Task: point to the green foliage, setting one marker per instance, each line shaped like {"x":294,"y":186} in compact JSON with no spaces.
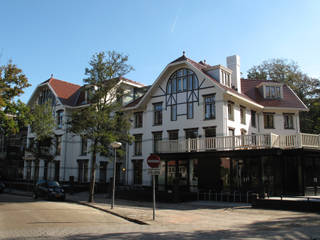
{"x":103,"y":121}
{"x":287,"y":72}
{"x":13,"y":113}
{"x":307,"y":88}
{"x":43,"y":123}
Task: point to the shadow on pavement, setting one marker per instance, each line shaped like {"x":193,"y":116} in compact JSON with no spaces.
{"x":285,"y":228}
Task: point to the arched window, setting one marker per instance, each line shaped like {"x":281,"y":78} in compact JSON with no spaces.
{"x":182,"y":80}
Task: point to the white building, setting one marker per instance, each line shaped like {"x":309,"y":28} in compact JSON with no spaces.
{"x":210,"y":128}
{"x":70,"y":152}
{"x":207,"y":124}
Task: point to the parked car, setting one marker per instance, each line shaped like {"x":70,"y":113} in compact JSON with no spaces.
{"x":49,"y":190}
{"x":2,"y":186}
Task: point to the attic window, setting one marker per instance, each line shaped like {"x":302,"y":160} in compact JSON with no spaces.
{"x":182,"y":80}
{"x":273,"y":92}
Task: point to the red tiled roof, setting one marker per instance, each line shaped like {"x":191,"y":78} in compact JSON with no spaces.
{"x":66,"y":92}
{"x":203,"y":66}
{"x":249,"y":90}
{"x":289,"y":100}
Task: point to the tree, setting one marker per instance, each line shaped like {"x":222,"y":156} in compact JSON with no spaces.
{"x":13,"y":113}
{"x":287,"y":72}
{"x":307,"y":88}
{"x":42,"y":126}
{"x":103,"y":121}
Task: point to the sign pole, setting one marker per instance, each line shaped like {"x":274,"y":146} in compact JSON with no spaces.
{"x":154,"y":196}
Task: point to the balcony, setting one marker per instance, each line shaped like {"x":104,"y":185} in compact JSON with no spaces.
{"x":242,"y":142}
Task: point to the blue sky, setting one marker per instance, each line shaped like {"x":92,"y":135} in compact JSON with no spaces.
{"x":59,"y":37}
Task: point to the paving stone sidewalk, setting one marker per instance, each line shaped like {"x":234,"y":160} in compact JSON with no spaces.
{"x":143,"y":211}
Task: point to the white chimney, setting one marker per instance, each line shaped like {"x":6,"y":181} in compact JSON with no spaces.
{"x":233,"y":62}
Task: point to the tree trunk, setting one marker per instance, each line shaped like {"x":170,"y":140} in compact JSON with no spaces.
{"x":93,"y":173}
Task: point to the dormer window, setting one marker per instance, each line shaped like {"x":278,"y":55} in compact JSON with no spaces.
{"x":273,"y":92}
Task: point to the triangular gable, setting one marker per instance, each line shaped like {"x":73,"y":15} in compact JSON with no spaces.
{"x":180,"y":61}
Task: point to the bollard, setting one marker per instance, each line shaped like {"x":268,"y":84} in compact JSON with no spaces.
{"x":234,"y":196}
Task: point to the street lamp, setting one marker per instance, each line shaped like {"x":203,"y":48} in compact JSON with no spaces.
{"x":114,"y":145}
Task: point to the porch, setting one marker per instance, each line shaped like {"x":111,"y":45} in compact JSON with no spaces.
{"x":241,"y":142}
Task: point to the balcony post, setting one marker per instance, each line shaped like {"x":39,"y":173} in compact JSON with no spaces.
{"x":198,"y":144}
{"x":188,"y":144}
{"x":299,"y":140}
{"x":270,"y":140}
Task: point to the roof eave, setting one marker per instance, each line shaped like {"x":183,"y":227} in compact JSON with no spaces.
{"x":244,"y":99}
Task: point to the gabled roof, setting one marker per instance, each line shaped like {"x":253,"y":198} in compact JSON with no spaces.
{"x":72,"y":94}
{"x":65,"y":91}
{"x":289,"y":100}
{"x":249,"y":91}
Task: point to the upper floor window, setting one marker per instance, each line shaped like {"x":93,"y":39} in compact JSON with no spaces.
{"x":84,"y":146}
{"x":138,"y":144}
{"x":253,"y":118}
{"x":268,"y":120}
{"x":191,"y":133}
{"x":174,"y":112}
{"x":231,"y":111}
{"x":210,"y":107}
{"x":190,"y":110}
{"x":210,"y":132}
{"x":157,"y":109}
{"x":243,"y":114}
{"x":138,"y":119}
{"x":173,"y":134}
{"x":273,"y":92}
{"x":157,"y":137}
{"x":288,"y":121}
{"x":59,"y":118}
{"x":182,"y":80}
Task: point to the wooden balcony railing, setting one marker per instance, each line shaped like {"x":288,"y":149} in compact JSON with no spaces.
{"x":257,"y":141}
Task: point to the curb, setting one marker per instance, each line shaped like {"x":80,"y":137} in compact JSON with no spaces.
{"x":18,"y":194}
{"x":110,"y":212}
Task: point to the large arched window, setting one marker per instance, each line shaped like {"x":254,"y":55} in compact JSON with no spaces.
{"x":182,"y":80}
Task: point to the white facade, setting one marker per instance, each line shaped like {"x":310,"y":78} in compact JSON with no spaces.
{"x":224,"y":94}
{"x":74,"y":158}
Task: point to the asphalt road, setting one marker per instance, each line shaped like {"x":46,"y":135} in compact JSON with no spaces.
{"x":23,"y":218}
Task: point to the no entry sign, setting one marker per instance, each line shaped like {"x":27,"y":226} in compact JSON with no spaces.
{"x":153,"y":161}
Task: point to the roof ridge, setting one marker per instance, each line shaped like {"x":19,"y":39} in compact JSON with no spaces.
{"x":63,"y":81}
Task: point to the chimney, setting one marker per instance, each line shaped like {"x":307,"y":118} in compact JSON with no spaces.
{"x":233,"y":62}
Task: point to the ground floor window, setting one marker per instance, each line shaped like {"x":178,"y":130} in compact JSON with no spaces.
{"x":28,"y":170}
{"x":56,"y":170}
{"x":82,"y":171}
{"x":137,"y":171}
{"x":103,"y":172}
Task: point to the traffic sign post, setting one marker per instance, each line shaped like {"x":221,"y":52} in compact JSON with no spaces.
{"x":154,"y":162}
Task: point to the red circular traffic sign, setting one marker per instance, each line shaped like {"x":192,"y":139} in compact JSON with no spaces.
{"x":153,"y":161}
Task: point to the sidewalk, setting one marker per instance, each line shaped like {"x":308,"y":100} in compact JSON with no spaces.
{"x":142,"y":212}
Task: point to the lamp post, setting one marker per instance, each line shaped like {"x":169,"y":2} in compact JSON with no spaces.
{"x":114,"y":145}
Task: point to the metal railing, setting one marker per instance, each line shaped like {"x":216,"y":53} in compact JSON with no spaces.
{"x":256,"y":141}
